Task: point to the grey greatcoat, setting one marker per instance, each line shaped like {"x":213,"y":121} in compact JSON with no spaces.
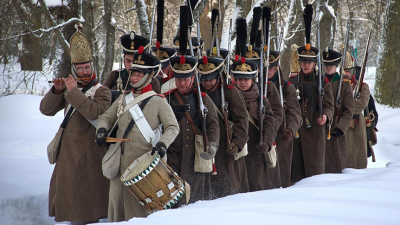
{"x":292,"y":115}
{"x":256,"y":165}
{"x":309,"y":148}
{"x":181,"y":153}
{"x":123,"y":205}
{"x":357,"y":136}
{"x":231,"y":175}
{"x":336,"y":147}
{"x":78,"y":189}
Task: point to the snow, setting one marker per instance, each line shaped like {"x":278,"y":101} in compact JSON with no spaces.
{"x":366,"y":196}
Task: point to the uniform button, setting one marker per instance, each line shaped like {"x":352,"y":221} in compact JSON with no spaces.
{"x":187,"y":121}
{"x":187,"y":129}
{"x":187,"y":137}
{"x":187,"y":146}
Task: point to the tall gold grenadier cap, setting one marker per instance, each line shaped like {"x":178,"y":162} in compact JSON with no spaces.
{"x":79,"y":49}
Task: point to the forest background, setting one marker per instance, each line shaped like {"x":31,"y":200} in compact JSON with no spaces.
{"x":34,"y":34}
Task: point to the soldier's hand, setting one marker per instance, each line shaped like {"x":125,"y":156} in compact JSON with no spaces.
{"x":232,"y":149}
{"x":287,"y":135}
{"x":70,"y":82}
{"x":337,"y":132}
{"x":58,"y":86}
{"x":101,"y":136}
{"x":213,"y":147}
{"x":263,"y":148}
{"x":322,"y":121}
{"x":160,"y":148}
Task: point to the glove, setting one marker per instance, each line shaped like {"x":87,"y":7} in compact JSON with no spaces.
{"x":160,"y":148}
{"x":211,"y":152}
{"x":337,"y":132}
{"x":101,"y":136}
{"x":263,"y":148}
{"x":232,"y":149}
{"x":287,"y":135}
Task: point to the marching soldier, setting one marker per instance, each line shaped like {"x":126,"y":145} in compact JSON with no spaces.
{"x":290,"y":124}
{"x":232,"y":176}
{"x":356,"y":135}
{"x":156,"y":110}
{"x":336,"y":147}
{"x":78,"y":190}
{"x":186,"y":100}
{"x":309,"y":149}
{"x":245,"y":73}
{"x":119,"y":79}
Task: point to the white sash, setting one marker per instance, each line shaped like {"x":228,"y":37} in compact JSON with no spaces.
{"x":151,"y":136}
{"x":89,"y":93}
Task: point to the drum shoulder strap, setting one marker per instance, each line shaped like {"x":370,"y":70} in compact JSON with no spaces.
{"x":132,"y":122}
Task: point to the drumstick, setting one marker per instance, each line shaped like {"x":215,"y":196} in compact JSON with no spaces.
{"x":111,"y":139}
{"x":60,"y":80}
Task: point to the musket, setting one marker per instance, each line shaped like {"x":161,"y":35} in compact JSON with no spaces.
{"x":320,"y":88}
{"x":364,"y":65}
{"x":152,"y":25}
{"x":198,"y":33}
{"x":281,"y":78}
{"x":228,"y":58}
{"x":261,"y":108}
{"x":267,"y":61}
{"x":338,"y":96}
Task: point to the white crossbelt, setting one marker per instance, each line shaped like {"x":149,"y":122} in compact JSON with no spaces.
{"x":151,"y":136}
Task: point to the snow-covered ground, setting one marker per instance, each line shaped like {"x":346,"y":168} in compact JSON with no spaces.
{"x":369,"y":196}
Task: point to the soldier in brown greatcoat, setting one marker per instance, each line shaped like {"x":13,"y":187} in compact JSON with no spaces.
{"x":280,"y":175}
{"x":185,"y":103}
{"x":231,"y":177}
{"x":336,"y":147}
{"x":245,"y":72}
{"x":78,"y":190}
{"x":356,"y":134}
{"x":118,"y":79}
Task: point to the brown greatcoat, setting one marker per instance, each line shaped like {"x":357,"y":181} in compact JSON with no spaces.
{"x":309,"y":148}
{"x":357,"y":137}
{"x":284,"y":147}
{"x":231,"y":175}
{"x":181,"y":153}
{"x":256,"y":166}
{"x":123,"y":205}
{"x":336,"y":147}
{"x":78,"y":189}
{"x":111,"y":81}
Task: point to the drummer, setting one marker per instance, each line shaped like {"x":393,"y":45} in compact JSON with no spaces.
{"x":156,"y":110}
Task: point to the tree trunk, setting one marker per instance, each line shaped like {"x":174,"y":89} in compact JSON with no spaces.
{"x":110,"y":40}
{"x":143,"y":18}
{"x":388,"y":74}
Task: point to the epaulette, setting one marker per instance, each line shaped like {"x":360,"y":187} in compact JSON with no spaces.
{"x":160,"y":95}
{"x":202,"y":93}
{"x":364,"y":83}
{"x":269,"y":82}
{"x":326,"y":80}
{"x":230,"y":87}
{"x":289,"y":83}
{"x":293,"y":76}
{"x":170,"y":92}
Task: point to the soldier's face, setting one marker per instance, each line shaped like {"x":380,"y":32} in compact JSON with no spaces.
{"x":208,"y":84}
{"x":136,"y":76}
{"x":83,"y":70}
{"x":330,"y":69}
{"x":271,"y":72}
{"x":347,"y":74}
{"x":128,"y":60}
{"x":244,"y":84}
{"x":183,"y":84}
{"x":307,"y":67}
